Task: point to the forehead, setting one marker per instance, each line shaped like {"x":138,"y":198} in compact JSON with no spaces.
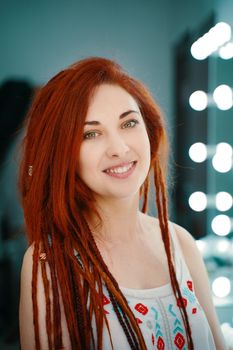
{"x":112,"y":99}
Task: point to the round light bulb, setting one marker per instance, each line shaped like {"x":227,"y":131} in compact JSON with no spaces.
{"x":222,"y":33}
{"x":198,"y":100}
{"x":198,"y":201}
{"x":222,"y":160}
{"x":198,"y":152}
{"x":221,"y":225}
{"x":223,"y":97}
{"x":201,"y":245}
{"x":223,"y":245}
{"x":226,"y":51}
{"x":224,"y":201}
{"x":198,"y":51}
{"x":221,"y":287}
{"x":224,"y":150}
{"x":221,"y":165}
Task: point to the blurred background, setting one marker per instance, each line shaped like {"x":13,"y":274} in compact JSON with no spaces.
{"x":183,"y":51}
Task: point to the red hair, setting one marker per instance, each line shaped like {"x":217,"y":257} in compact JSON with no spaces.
{"x":55,"y":200}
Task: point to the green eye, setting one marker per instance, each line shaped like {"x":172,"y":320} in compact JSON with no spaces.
{"x":131,"y":123}
{"x":90,"y":135}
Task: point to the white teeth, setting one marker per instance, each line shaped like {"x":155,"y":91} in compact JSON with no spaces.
{"x":120,"y":170}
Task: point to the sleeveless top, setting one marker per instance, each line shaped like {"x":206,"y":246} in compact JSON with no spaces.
{"x":157,"y":313}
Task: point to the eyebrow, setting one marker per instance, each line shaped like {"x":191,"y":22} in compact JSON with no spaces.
{"x":123,"y":115}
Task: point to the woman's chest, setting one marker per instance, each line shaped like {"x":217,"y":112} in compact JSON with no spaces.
{"x":136,"y":265}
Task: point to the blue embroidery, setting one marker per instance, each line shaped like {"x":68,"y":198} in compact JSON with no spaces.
{"x":190,"y":296}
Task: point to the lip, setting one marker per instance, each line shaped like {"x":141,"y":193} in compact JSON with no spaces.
{"x":119,"y":165}
{"x":122,"y":175}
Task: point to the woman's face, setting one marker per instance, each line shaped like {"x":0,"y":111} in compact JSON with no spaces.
{"x":115,"y":152}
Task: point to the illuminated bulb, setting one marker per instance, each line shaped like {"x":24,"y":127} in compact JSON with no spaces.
{"x":198,"y":100}
{"x":222,"y":160}
{"x":198,"y":50}
{"x":224,"y":201}
{"x":223,"y":97}
{"x":226,"y":51}
{"x":221,"y":225}
{"x":221,"y":287}
{"x":224,"y":149}
{"x":222,"y":33}
{"x":209,"y":42}
{"x":198,"y":201}
{"x":222,"y":165}
{"x":223,"y":245}
{"x":198,"y":152}
{"x":201,"y":245}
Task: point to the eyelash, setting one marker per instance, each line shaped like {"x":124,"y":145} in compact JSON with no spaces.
{"x":85,"y":136}
{"x":135,"y":121}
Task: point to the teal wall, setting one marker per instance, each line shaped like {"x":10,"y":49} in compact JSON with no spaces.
{"x":38,"y":38}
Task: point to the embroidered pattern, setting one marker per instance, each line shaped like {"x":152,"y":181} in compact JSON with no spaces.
{"x":158,"y":333}
{"x":151,"y":317}
{"x":178,"y":330}
{"x":141,"y":308}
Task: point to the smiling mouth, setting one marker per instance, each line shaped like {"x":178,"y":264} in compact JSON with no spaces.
{"x":120,"y":169}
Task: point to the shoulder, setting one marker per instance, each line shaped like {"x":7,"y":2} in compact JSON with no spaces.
{"x":26,"y":302}
{"x":186,"y":241}
{"x":190,"y":252}
{"x":27,"y":259}
{"x":26,"y":317}
{"x":25,"y":305}
{"x":26,"y":270}
{"x":29,"y":296}
{"x":198,"y":272}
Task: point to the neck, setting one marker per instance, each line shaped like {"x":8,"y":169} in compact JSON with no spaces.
{"x":121,"y":220}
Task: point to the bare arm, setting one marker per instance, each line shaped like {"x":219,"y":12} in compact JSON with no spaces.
{"x":27,"y":336}
{"x":199,"y":274}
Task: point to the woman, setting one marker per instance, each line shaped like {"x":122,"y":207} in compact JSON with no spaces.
{"x":100,"y":273}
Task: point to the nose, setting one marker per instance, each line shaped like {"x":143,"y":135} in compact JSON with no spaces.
{"x":116,"y":147}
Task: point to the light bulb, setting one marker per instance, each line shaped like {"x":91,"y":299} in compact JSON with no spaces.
{"x":226,"y":51}
{"x":221,"y":225}
{"x":198,"y":152}
{"x":222,"y":165}
{"x":222,"y":160}
{"x":224,"y":149}
{"x":198,"y":50}
{"x":221,"y":287}
{"x":198,"y":201}
{"x":211,"y":41}
{"x":222,"y":33}
{"x":201,"y":245}
{"x":224,"y":201}
{"x":198,"y":100}
{"x":223,"y":245}
{"x":223,"y":97}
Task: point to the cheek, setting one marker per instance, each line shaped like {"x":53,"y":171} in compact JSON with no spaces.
{"x":83,"y":162}
{"x":88,"y":158}
{"x":144,"y":145}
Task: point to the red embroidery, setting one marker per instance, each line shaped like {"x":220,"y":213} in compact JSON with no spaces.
{"x":153,"y":339}
{"x":106,"y":312}
{"x":190,"y":285}
{"x":179,"y":340}
{"x":105,"y":300}
{"x":138,"y":320}
{"x":179,"y":302}
{"x":194,"y":310}
{"x":160,"y":344}
{"x":141,"y":308}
